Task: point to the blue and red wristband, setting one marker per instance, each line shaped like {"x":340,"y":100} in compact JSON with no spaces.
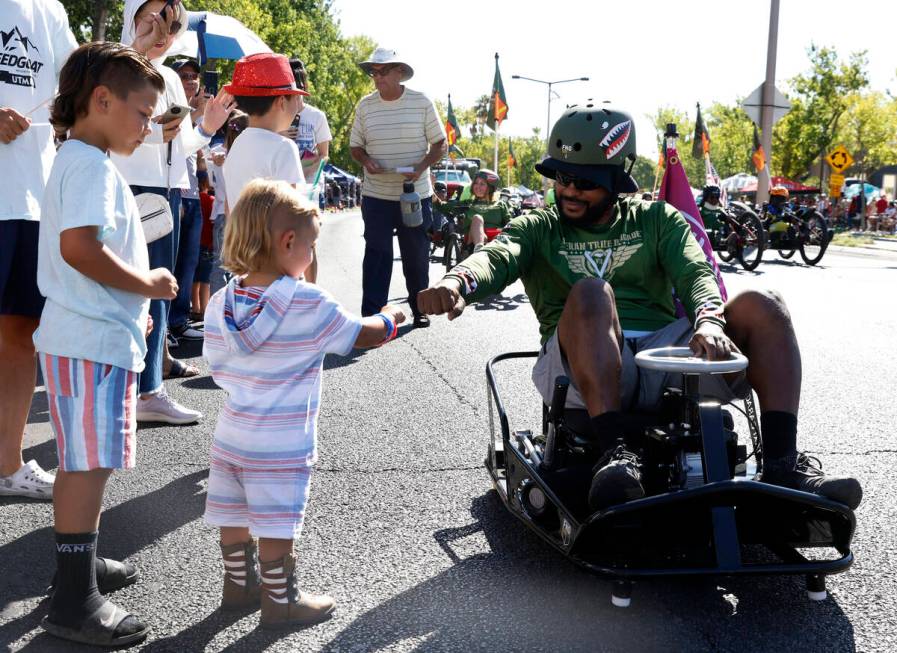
{"x":391,"y":327}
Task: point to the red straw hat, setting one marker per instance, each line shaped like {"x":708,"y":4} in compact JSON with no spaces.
{"x":263,"y":74}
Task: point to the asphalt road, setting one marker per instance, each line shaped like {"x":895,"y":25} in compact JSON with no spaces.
{"x":406,"y":533}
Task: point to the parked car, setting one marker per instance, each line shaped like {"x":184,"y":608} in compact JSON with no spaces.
{"x":453,"y":179}
{"x":531,"y":199}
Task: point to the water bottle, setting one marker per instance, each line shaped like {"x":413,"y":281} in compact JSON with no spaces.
{"x":412,"y":216}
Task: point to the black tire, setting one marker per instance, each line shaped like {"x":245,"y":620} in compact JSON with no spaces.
{"x":787,"y":253}
{"x":721,"y":245}
{"x":453,"y":252}
{"x":753,"y":241}
{"x":813,"y":238}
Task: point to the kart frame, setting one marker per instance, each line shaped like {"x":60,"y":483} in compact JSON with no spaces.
{"x":643,"y":538}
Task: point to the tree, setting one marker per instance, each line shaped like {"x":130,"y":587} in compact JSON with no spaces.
{"x":95,"y":20}
{"x":819,"y":100}
{"x":869,"y":131}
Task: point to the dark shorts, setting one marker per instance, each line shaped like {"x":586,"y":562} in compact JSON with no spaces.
{"x":19,"y":294}
{"x":204,"y":266}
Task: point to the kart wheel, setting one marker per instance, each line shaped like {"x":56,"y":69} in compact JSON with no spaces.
{"x":814,"y":239}
{"x":751,"y":252}
{"x":451,"y":255}
{"x":621,"y":595}
{"x":787,"y":253}
{"x":816,"y":587}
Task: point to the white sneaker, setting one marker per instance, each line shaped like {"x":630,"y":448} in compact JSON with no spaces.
{"x":162,"y":408}
{"x":188,"y":333}
{"x":29,"y":481}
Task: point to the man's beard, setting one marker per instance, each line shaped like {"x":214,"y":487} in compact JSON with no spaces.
{"x":593,"y":214}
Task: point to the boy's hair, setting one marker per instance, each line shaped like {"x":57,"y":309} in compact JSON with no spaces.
{"x":119,"y":68}
{"x":265,"y":208}
{"x":255,"y":105}
{"x":299,"y":73}
{"x":235,"y":125}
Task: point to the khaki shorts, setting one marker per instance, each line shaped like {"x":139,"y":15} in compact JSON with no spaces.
{"x":640,"y":390}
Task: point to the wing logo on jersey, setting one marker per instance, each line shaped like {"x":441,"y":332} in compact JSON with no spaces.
{"x":600,"y":263}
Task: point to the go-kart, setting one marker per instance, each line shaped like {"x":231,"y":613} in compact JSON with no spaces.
{"x":804,"y":231}
{"x":741,"y":236}
{"x":704,"y":512}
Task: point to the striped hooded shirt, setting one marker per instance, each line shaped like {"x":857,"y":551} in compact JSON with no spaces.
{"x":396,"y":133}
{"x":265,"y":347}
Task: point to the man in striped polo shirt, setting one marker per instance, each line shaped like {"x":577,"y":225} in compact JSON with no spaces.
{"x":395,"y":129}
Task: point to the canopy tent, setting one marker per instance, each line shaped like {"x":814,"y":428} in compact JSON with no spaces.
{"x":213,"y":36}
{"x":736,"y":183}
{"x":341,"y":176}
{"x":792,"y":186}
{"x":872,"y":192}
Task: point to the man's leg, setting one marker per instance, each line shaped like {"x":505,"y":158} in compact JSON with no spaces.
{"x":18,"y":367}
{"x":376,"y":268}
{"x":415,"y":248}
{"x":760,"y":326}
{"x":590,"y":337}
{"x":589,"y":334}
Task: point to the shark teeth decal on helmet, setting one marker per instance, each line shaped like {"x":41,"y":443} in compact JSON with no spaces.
{"x":616,"y":138}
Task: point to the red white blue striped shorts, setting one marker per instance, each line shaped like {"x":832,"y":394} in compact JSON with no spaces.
{"x":270,"y":501}
{"x":93,"y":410}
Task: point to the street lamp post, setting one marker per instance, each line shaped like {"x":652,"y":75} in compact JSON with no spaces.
{"x":548,"y":116}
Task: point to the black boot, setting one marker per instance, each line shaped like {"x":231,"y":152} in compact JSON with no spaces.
{"x":617,"y":480}
{"x":806,"y":475}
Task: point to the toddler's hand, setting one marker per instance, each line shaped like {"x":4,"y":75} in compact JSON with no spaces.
{"x":161,"y":284}
{"x":396,"y":313}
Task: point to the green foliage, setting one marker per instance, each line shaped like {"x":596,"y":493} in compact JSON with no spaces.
{"x":869,"y":130}
{"x":644,"y":171}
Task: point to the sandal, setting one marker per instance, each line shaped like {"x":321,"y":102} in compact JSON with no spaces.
{"x":108,"y":626}
{"x":112,"y":576}
{"x":181,"y":370}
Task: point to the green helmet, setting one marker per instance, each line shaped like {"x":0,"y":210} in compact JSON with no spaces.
{"x":593,"y":142}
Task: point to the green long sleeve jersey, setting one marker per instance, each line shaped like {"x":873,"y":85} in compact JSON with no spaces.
{"x":495,"y":214}
{"x":645,"y":251}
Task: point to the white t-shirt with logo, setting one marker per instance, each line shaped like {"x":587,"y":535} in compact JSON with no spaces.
{"x":82,"y":318}
{"x":35,"y":41}
{"x":260,"y":154}
{"x":313,"y":129}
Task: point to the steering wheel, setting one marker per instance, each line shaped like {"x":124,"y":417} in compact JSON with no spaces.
{"x":682,"y":359}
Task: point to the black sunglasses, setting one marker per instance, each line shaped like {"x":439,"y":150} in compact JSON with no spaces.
{"x":577,"y":182}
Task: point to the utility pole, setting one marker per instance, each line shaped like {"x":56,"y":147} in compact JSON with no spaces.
{"x":768,"y":101}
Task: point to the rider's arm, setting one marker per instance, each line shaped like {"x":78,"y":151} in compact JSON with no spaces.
{"x":688,"y":269}
{"x":501,"y":262}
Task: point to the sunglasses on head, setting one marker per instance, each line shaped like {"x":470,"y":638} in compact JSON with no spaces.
{"x":577,"y":182}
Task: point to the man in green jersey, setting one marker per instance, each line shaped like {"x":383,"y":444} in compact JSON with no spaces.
{"x":599,"y":270}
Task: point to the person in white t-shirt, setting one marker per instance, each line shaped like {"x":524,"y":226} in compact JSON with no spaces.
{"x":264,"y":88}
{"x":94,"y":270}
{"x":159,"y":166}
{"x":312,"y":135}
{"x":39,"y":43}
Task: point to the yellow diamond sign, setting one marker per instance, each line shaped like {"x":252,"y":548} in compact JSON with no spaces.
{"x":839,"y":159}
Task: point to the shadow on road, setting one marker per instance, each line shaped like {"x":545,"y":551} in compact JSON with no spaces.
{"x":28,"y":562}
{"x":501,"y":303}
{"x":522,"y":596}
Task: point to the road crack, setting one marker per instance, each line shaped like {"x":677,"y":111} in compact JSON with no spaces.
{"x":461,"y":398}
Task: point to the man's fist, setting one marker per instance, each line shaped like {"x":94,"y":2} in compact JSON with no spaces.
{"x":444,"y":297}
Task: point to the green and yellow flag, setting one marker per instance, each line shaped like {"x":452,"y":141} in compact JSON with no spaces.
{"x":452,"y":130}
{"x":498,"y":107}
{"x":512,"y":160}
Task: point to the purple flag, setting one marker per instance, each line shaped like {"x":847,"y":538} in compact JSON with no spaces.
{"x":675,"y":190}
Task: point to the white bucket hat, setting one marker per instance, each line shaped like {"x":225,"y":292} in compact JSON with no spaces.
{"x":383,"y":56}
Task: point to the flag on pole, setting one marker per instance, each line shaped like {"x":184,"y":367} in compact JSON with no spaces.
{"x":454,"y":151}
{"x":498,"y":106}
{"x":512,"y":160}
{"x":676,"y":191}
{"x":711,"y":178}
{"x":758,"y":156}
{"x":700,"y":145}
{"x":452,"y":130}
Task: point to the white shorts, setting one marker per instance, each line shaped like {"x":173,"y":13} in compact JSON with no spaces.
{"x":270,"y":502}
{"x":640,"y":390}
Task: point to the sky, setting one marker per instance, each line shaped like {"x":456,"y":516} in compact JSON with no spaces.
{"x":638,"y":54}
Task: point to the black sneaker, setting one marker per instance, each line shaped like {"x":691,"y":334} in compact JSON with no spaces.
{"x":807,"y":476}
{"x":617,"y":481}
